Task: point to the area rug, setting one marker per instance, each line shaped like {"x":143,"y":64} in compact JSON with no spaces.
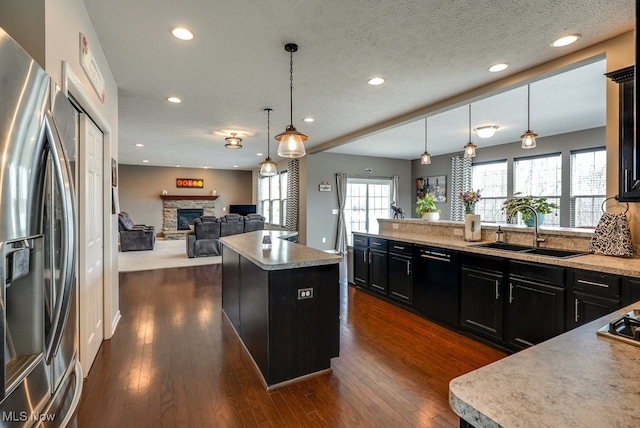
{"x":167,"y":254}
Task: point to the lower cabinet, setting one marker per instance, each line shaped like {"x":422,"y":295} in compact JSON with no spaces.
{"x":535,"y":305}
{"x":482,"y":297}
{"x":592,"y":295}
{"x":361,"y":266}
{"x":378,"y":280}
{"x":400,"y":268}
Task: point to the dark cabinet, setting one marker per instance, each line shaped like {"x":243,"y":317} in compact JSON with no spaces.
{"x":482,"y":296}
{"x":378,"y":271}
{"x":535,"y":309}
{"x":370,"y":263}
{"x":436,"y":284}
{"x":400,"y":268}
{"x":361,"y":266}
{"x":592,"y":295}
{"x":631,"y":292}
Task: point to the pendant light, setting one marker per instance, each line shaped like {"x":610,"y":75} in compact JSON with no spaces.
{"x":268,"y":168}
{"x":470,"y":148}
{"x":426,"y":157}
{"x":291,"y":141}
{"x":233,"y":142}
{"x":529,"y":137}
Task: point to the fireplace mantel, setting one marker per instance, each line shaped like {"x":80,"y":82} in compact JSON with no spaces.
{"x":189,"y":197}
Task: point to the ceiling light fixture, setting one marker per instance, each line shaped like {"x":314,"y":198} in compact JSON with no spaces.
{"x":498,"y":67}
{"x":233,"y":142}
{"x":486,"y":131}
{"x":174,"y":100}
{"x":529,"y":137}
{"x":565,"y":40}
{"x":470,"y":148}
{"x":425,"y":159}
{"x":291,"y":141}
{"x":308,"y":119}
{"x":268,"y":168}
{"x":139,"y":145}
{"x":182,"y":33}
{"x":375,"y":81}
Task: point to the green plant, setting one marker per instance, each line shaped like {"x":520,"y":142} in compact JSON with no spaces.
{"x":426,"y":205}
{"x":541,"y":205}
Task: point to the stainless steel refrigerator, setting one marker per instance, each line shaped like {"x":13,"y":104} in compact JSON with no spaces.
{"x":41,"y":378}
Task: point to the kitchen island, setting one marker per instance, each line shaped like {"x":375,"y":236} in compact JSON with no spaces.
{"x":576,"y":379}
{"x":283,"y":302}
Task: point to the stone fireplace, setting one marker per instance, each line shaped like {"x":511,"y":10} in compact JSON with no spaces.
{"x":170,"y":206}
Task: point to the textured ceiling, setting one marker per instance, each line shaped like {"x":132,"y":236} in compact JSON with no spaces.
{"x":427,"y":51}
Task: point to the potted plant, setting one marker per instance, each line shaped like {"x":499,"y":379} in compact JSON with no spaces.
{"x":541,"y":205}
{"x":426,"y":208}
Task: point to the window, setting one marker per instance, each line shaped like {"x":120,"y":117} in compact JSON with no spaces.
{"x":540,"y":176}
{"x":368,"y":199}
{"x":588,"y":186}
{"x":273,"y":198}
{"x":491,"y":179}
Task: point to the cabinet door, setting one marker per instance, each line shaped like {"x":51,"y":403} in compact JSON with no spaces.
{"x":632,"y":291}
{"x":481,"y":302}
{"x":378,"y":271}
{"x":401,"y":278}
{"x":535,"y":313}
{"x":587,"y":307}
{"x":361,"y":266}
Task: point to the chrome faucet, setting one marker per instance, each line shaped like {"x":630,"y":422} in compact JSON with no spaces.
{"x":536,"y":238}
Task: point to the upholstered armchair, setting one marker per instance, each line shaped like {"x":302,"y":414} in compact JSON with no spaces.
{"x":253,"y":222}
{"x":231,"y":224}
{"x":135,"y":237}
{"x":205,"y":239}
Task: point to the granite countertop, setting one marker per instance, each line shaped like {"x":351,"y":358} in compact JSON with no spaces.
{"x":577,"y":379}
{"x":281,"y":254}
{"x":606,"y":264}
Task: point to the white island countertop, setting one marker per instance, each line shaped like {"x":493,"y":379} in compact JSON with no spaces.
{"x":280,"y":254}
{"x":577,"y":379}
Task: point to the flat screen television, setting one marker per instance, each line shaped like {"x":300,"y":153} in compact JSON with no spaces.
{"x":242,"y":209}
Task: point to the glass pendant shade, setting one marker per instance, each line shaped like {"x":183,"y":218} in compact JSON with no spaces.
{"x":233,"y":142}
{"x":268,"y":167}
{"x":425,"y":159}
{"x":470,"y":150}
{"x":291,"y":143}
{"x":528,"y":139}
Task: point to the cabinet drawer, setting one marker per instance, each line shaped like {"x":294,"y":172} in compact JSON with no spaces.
{"x":596,"y":283}
{"x":400,"y":247}
{"x":378,"y":244}
{"x":545,"y":273}
{"x":360,"y":241}
{"x":485,"y":263}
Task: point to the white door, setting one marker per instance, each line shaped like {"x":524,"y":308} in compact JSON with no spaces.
{"x":90,"y":242}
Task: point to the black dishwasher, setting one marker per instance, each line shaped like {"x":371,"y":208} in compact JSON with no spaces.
{"x":436,"y":285}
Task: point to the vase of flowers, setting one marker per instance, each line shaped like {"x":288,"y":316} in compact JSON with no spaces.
{"x":472,"y":231}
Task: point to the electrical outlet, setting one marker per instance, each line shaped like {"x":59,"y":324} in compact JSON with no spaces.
{"x":394,"y":225}
{"x":305,"y":293}
{"x":335,"y":211}
{"x":457,"y":232}
{"x":324,"y":240}
{"x":224,"y":209}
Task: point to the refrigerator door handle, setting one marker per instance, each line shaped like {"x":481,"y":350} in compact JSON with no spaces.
{"x":67,"y":270}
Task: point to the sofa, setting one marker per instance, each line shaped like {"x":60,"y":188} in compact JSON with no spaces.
{"x":135,"y":237}
{"x":204,"y":240}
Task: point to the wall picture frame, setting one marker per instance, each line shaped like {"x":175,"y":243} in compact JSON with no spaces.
{"x":436,"y":185}
{"x":190,"y":183}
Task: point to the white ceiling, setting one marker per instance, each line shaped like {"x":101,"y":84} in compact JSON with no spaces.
{"x":427,"y":51}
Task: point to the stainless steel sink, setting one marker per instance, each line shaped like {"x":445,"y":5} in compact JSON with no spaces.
{"x":549,"y":252}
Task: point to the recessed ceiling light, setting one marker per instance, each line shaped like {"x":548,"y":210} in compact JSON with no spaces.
{"x":565,"y":40}
{"x":139,"y":145}
{"x":375,"y":81}
{"x":308,"y":119}
{"x":259,"y":154}
{"x":235,"y":166}
{"x":145,"y":161}
{"x":182,"y":33}
{"x":177,"y":165}
{"x":174,"y":100}
{"x":498,"y":67}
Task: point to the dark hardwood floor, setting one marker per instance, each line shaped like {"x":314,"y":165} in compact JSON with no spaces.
{"x":175,"y":361}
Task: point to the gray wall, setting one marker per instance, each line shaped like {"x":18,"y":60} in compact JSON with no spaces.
{"x":564,"y":143}
{"x":139,"y":189}
{"x":24,"y":20}
{"x":318,"y":221}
